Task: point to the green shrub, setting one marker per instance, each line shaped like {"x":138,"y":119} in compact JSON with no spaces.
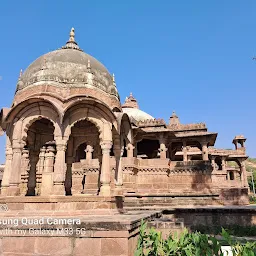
{"x":252,"y":199}
{"x":151,"y":243}
{"x":235,"y":230}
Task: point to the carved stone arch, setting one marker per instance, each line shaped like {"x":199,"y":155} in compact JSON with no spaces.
{"x":31,"y":113}
{"x":102,"y":109}
{"x":19,"y":110}
{"x":28,"y":121}
{"x":103,"y":126}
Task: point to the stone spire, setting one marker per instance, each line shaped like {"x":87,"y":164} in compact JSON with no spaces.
{"x":130,"y":102}
{"x":20,"y":73}
{"x":71,"y":43}
{"x":174,"y":119}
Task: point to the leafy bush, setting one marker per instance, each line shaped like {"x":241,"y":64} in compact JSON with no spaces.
{"x":152,"y":243}
{"x":252,"y":199}
{"x":235,"y":230}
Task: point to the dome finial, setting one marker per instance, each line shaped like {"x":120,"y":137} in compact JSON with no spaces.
{"x":113,"y":76}
{"x":20,"y":73}
{"x":72,"y":35}
{"x":71,"y":43}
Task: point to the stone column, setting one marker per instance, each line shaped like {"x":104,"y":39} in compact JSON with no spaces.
{"x":118,"y":151}
{"x":59,"y":169}
{"x":205,"y":151}
{"x":105,"y":169}
{"x":89,"y":150}
{"x":7,"y":171}
{"x":24,"y":171}
{"x":185,"y":152}
{"x":130,"y":149}
{"x":14,"y":182}
{"x":40,"y":170}
{"x":68,"y":179}
{"x":47,"y":175}
{"x":244,"y":175}
{"x":223,"y":163}
{"x":32,"y":174}
{"x":213,"y":163}
{"x":162,"y":148}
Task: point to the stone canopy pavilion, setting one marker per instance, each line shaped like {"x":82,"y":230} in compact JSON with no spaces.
{"x":68,"y":135}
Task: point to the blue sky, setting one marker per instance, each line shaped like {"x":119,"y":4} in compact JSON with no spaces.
{"x":194,"y":57}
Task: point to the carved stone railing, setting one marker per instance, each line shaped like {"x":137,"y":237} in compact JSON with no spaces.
{"x":85,"y":166}
{"x":183,"y":127}
{"x":191,"y":166}
{"x":136,"y":164}
{"x":151,"y":123}
{"x":239,"y":151}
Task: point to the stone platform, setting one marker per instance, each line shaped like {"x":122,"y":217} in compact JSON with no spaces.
{"x":97,"y":235}
{"x":63,"y":203}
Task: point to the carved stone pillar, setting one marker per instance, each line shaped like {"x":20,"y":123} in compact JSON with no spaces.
{"x":223,"y":164}
{"x":47,"y":175}
{"x":213,"y":163}
{"x":24,"y":171}
{"x":105,"y":168}
{"x":163,"y":149}
{"x":185,"y":152}
{"x":7,"y":171}
{"x":244,"y":175}
{"x":40,"y":170}
{"x":89,"y":150}
{"x":130,"y":149}
{"x":205,"y":151}
{"x":59,"y":170}
{"x":68,"y":179}
{"x":14,"y":181}
{"x":32,"y":173}
{"x":118,"y":151}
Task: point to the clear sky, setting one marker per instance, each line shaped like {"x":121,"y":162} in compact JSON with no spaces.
{"x":194,"y":57}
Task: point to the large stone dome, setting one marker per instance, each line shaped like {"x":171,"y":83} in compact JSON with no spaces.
{"x":68,"y":68}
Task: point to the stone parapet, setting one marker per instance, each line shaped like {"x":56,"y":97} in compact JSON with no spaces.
{"x":151,"y":122}
{"x":183,"y":127}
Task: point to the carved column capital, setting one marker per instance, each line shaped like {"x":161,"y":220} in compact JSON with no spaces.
{"x":106,"y":146}
{"x":89,"y":149}
{"x":61,"y":147}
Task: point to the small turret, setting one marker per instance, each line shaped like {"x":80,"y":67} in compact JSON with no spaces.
{"x":239,"y":139}
{"x":174,"y":119}
{"x":130,"y":102}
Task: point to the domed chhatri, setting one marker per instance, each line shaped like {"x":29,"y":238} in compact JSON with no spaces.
{"x":69,"y":68}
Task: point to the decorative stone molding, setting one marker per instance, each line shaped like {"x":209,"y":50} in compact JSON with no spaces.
{"x":151,"y":123}
{"x":177,"y":127}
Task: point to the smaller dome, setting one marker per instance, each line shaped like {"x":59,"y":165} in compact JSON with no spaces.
{"x":131,"y":108}
{"x":137,"y":114}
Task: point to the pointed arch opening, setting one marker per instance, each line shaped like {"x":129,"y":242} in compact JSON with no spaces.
{"x":39,"y":134}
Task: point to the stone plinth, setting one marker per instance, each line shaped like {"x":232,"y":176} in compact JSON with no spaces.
{"x":98,"y":235}
{"x":64,"y":203}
